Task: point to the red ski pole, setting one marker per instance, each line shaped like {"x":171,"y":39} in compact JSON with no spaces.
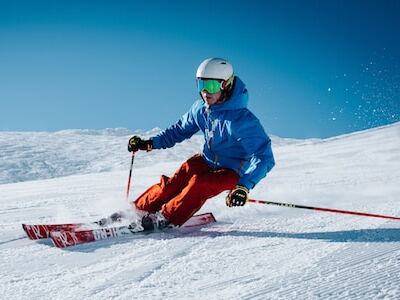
{"x":130,"y":175}
{"x":324,"y":209}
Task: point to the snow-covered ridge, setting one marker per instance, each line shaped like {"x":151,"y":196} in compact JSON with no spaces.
{"x":42,"y":155}
{"x":108,"y":132}
{"x":29,"y":156}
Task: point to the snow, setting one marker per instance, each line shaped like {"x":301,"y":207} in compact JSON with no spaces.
{"x":254,"y":252}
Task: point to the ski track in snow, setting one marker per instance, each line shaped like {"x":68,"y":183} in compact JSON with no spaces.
{"x":254,"y":252}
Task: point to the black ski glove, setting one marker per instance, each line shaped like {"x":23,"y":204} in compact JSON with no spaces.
{"x":136,"y":143}
{"x":238,"y":196}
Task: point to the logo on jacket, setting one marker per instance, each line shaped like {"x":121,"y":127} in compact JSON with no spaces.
{"x":218,"y":128}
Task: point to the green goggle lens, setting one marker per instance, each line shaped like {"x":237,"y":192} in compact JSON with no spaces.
{"x":210,"y":85}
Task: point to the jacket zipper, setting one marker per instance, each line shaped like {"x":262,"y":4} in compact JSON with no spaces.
{"x":216,"y":158}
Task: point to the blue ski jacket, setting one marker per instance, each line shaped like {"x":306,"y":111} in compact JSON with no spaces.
{"x":234,"y":137}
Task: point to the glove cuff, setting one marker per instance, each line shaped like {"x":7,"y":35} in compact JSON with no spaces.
{"x":149,"y":145}
{"x":241,"y":187}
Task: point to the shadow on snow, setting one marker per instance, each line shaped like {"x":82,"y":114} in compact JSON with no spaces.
{"x":382,"y":235}
{"x":361,"y":236}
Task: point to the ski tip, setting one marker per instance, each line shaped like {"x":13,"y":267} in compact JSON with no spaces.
{"x":209,"y":216}
{"x":35,"y":232}
{"x":201,"y":219}
{"x":213,"y":219}
{"x":26,"y":230}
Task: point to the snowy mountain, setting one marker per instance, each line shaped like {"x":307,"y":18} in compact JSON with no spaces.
{"x":254,"y":252}
{"x":43,"y":155}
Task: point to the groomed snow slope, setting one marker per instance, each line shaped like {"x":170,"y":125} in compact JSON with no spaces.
{"x":254,"y":252}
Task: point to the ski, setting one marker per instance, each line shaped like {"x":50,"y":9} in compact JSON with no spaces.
{"x":42,"y":231}
{"x":63,"y":239}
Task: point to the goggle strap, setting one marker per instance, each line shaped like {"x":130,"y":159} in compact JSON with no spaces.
{"x":227,"y":82}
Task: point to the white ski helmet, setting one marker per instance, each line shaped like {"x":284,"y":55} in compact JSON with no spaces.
{"x":215,"y":68}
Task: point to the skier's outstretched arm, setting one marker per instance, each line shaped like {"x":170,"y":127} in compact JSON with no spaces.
{"x":183,"y":129}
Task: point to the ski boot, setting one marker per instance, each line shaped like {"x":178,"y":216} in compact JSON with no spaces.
{"x":115,"y":217}
{"x":150,"y":222}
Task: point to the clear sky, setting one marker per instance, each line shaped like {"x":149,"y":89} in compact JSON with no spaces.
{"x":313,"y":68}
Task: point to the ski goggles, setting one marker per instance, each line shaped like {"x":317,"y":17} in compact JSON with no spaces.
{"x":210,"y":85}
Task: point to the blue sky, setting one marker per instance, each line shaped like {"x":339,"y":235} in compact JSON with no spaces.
{"x":313,"y":68}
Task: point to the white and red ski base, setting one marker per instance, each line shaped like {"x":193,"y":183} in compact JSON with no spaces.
{"x":67,"y":235}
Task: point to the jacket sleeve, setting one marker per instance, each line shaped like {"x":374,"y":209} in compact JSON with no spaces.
{"x":259,"y":159}
{"x":183,"y":129}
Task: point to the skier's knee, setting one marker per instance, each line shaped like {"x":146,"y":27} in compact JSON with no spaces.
{"x":199,"y":180}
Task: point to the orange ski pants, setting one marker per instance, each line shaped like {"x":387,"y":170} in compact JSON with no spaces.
{"x":179,"y":197}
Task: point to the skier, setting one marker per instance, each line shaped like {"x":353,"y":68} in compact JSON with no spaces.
{"x":236,"y":155}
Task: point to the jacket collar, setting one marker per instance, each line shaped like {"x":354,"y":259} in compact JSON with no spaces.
{"x":238,"y":100}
